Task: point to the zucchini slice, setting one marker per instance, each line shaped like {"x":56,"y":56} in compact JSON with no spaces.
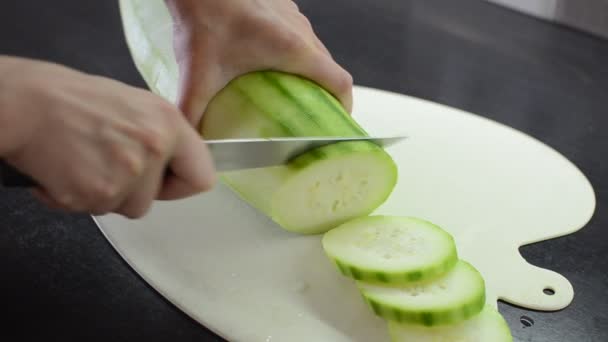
{"x":452,"y":298}
{"x":390,"y":249}
{"x":487,"y":326}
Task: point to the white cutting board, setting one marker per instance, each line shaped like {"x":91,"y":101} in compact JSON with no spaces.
{"x":232,"y":269}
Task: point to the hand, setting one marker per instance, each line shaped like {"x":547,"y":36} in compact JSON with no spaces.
{"x":97,"y":145}
{"x":216,"y":41}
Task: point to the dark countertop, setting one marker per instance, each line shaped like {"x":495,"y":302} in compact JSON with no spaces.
{"x":61,"y":280}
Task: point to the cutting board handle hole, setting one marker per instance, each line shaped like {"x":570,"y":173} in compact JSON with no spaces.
{"x":526,"y":321}
{"x":548,"y":291}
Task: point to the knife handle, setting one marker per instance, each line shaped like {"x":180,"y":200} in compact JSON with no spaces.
{"x":10,"y":177}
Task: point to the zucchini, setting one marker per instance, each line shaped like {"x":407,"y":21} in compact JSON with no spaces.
{"x":487,"y":326}
{"x":456,"y":296}
{"x":390,"y":249}
{"x":319,"y":189}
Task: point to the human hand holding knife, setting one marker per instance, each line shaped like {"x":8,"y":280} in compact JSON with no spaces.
{"x":234,"y":154}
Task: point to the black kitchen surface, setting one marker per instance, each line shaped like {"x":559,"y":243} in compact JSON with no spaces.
{"x":62,"y":281}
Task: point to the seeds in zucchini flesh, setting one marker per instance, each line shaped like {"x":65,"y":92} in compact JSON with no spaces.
{"x":390,"y":249}
{"x":452,"y":298}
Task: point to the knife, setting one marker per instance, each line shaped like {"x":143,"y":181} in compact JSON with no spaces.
{"x":234,"y":154}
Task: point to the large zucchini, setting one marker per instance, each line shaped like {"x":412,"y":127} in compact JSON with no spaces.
{"x":321,"y":188}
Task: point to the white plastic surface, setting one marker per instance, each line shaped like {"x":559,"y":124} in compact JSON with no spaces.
{"x":545,"y":9}
{"x":236,"y":272}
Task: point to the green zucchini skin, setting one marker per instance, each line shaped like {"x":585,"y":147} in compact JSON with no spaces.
{"x":461,"y":300}
{"x":395,"y":278}
{"x":489,"y":325}
{"x":290,"y":105}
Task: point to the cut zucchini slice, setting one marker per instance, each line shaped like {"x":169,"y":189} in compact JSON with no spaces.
{"x":390,"y":249}
{"x":487,"y":326}
{"x":452,"y":298}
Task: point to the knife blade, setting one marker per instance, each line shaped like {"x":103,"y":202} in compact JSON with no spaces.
{"x":234,"y":154}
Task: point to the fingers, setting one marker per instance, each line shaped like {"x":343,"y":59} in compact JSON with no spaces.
{"x":45,"y":198}
{"x":138,"y":202}
{"x":321,"y":68}
{"x":312,"y":59}
{"x":336,"y":80}
{"x":192,"y":169}
{"x":315,"y":62}
{"x":132,"y":194}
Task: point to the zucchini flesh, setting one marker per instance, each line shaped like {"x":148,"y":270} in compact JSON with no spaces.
{"x":319,"y":189}
{"x":452,"y":298}
{"x":390,"y":249}
{"x":487,"y":326}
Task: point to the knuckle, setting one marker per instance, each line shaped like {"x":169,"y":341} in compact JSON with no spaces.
{"x":160,"y":132}
{"x":100,"y":211}
{"x":205,"y":183}
{"x":157,"y":139}
{"x":95,"y":198}
{"x":291,"y":41}
{"x":305,"y":22}
{"x":280,"y":36}
{"x":133,"y":164}
{"x":91,"y":195}
{"x":166,"y":108}
{"x":135,"y":210}
{"x":343,"y":83}
{"x":102,"y":194}
{"x":130,"y":213}
{"x":69,"y":200}
{"x":264,"y":28}
{"x":346,"y":81}
{"x":129,"y":160}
